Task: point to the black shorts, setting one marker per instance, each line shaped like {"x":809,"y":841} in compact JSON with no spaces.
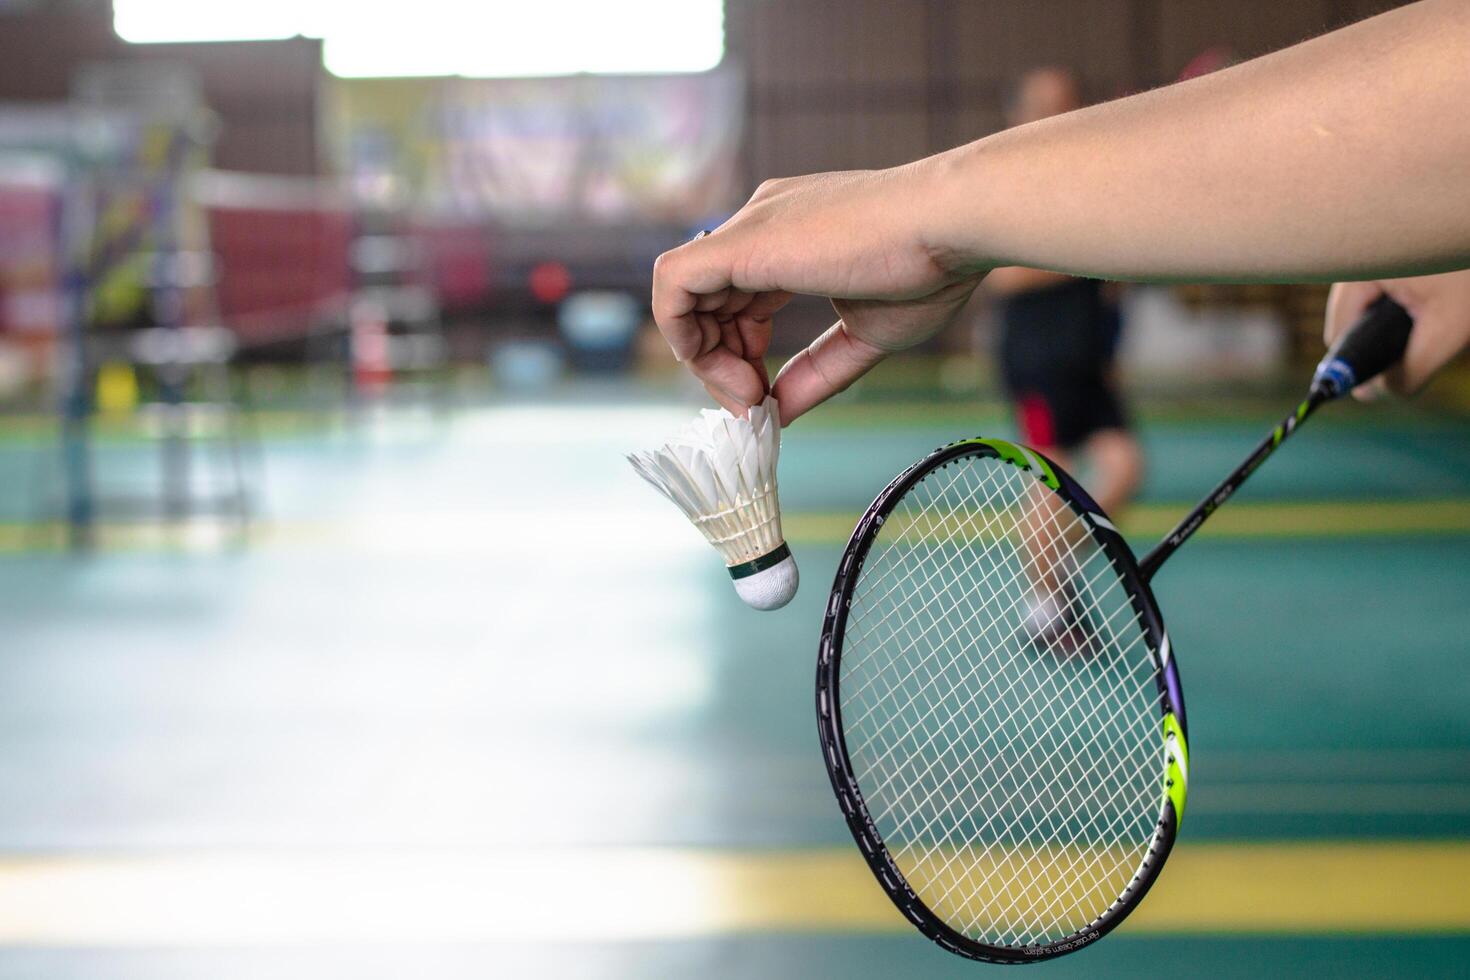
{"x":1062,"y":413}
{"x":1056,"y":357}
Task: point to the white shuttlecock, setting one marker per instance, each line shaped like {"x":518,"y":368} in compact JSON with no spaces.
{"x":720,"y":470}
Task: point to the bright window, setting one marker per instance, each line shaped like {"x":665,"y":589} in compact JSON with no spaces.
{"x":477,"y":38}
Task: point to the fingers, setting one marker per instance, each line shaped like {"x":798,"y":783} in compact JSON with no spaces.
{"x":754,"y":325}
{"x":726,"y":402}
{"x":731,"y":358}
{"x":1440,"y":306}
{"x":755,"y":338}
{"x":712,"y":302}
{"x":733,"y":381}
{"x":833,"y":362}
{"x":1438,"y":335}
{"x":721,"y":333}
{"x":688,"y":282}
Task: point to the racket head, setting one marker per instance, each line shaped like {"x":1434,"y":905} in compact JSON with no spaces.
{"x":1015,"y":799}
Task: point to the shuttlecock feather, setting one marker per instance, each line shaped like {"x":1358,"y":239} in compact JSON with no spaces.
{"x":720,"y":470}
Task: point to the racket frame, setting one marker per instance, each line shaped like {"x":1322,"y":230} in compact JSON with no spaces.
{"x":1173,"y":774}
{"x":1376,"y":342}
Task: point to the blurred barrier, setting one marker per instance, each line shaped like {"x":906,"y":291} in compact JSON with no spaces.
{"x":30,"y":202}
{"x":30,"y":266}
{"x":458,"y":257}
{"x":281,"y":244}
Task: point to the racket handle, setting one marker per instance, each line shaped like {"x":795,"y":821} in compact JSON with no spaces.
{"x":1371,"y":346}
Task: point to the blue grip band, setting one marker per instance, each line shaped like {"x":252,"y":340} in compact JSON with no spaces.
{"x":1336,"y":375}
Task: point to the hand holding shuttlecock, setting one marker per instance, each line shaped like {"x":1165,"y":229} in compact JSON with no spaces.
{"x":720,"y":470}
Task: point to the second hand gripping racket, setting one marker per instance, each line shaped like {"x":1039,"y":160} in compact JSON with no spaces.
{"x":999,"y":707}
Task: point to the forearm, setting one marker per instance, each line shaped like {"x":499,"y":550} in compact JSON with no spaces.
{"x":1009,"y":280}
{"x":1347,"y":156}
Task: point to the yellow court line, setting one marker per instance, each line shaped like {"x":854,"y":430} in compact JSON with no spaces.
{"x":1312,"y":887}
{"x":1297,"y":519}
{"x":1322,"y":519}
{"x":617,"y":894}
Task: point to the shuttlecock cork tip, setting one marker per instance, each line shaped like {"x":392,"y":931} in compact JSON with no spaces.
{"x":769,"y":582}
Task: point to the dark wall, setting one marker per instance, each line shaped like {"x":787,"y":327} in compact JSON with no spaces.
{"x":838,"y":84}
{"x":833,"y":83}
{"x":852,"y":84}
{"x":267,"y":93}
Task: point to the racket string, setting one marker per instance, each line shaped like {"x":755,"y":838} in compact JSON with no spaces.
{"x":1053,"y":744}
{"x":1049,"y":822}
{"x":1088,"y":861}
{"x":998,"y":515}
{"x":939,"y":649}
{"x":937,"y":596}
{"x":854,"y":619}
{"x":994,"y":699}
{"x":1086,"y":789}
{"x":1045,"y":761}
{"x":922,"y":775}
{"x":912,"y":641}
{"x":1044,"y":821}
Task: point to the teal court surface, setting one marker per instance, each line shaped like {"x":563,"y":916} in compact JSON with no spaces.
{"x":470,"y":700}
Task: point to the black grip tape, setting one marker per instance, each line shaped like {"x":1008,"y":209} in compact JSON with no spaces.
{"x":1371,"y":346}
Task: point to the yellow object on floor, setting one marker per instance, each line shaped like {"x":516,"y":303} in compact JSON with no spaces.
{"x":117,"y":388}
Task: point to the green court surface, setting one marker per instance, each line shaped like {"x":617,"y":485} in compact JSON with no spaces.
{"x":471,"y":700}
{"x":762,"y":957}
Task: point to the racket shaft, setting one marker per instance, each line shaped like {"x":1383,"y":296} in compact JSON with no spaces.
{"x":1227,"y":487}
{"x":1371,"y":346}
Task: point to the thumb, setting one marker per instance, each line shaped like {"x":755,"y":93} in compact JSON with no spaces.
{"x":1345,"y":303}
{"x":830,"y":365}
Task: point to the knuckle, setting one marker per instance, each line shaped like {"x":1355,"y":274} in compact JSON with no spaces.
{"x":769,"y":186}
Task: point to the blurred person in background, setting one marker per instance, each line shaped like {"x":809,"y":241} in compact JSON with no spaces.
{"x":1058,"y":338}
